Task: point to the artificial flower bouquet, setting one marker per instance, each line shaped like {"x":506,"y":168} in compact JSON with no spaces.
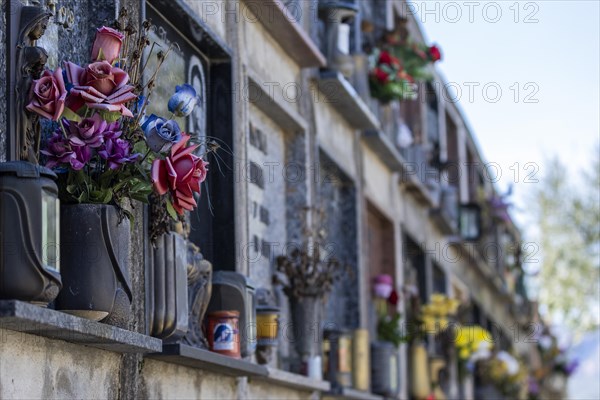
{"x":395,"y":68}
{"x":388,"y":79}
{"x":505,"y":372}
{"x":102,"y":145}
{"x":385,"y":299}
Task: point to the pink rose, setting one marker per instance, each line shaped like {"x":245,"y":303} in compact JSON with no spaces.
{"x":47,"y":96}
{"x":181,"y":173}
{"x":100,"y":86}
{"x":109,"y":41}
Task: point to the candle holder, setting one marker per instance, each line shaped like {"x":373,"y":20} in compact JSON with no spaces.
{"x":337,"y":351}
{"x":267,"y":326}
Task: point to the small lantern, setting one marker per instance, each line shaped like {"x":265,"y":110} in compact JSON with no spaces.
{"x":337,"y":353}
{"x":29,"y":233}
{"x":337,"y":15}
{"x":470,"y":221}
{"x":267,"y":326}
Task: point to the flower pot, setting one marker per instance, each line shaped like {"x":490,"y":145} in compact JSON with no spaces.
{"x":420,"y":386}
{"x":29,"y":232}
{"x":95,"y":263}
{"x":167,"y":289}
{"x":384,"y":369}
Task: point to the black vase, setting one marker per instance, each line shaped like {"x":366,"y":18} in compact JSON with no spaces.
{"x":166,"y":283}
{"x":94,"y":250}
{"x":29,"y":209}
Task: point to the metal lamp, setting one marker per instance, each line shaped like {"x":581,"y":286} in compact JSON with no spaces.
{"x":470,"y":221}
{"x":337,"y":15}
{"x":29,"y":233}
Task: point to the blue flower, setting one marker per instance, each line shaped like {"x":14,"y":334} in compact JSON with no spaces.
{"x":160,"y":133}
{"x":184,"y":100}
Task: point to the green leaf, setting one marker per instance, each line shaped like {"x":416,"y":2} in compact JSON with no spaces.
{"x":70,"y":115}
{"x":140,"y":147}
{"x":171,"y":210}
{"x":110,"y":116}
{"x":101,"y":196}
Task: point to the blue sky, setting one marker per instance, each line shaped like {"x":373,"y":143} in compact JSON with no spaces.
{"x":549,"y":50}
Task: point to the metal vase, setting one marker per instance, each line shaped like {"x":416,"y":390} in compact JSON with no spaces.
{"x":166,"y":283}
{"x":95,"y":263}
{"x":384,"y":369}
{"x":307,"y":315}
{"x":29,"y":209}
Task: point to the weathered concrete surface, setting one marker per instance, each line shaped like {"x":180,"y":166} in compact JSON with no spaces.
{"x":32,"y":367}
{"x":268,"y":60}
{"x":213,"y":13}
{"x":262,"y":390}
{"x":170,"y":381}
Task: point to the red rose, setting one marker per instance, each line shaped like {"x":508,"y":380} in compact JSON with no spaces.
{"x":100,"y":86}
{"x":47,"y":96}
{"x":385,"y":58}
{"x":434,"y":53}
{"x":109,"y":41}
{"x":380,"y":75}
{"x":181,"y":174}
{"x":393,"y":299}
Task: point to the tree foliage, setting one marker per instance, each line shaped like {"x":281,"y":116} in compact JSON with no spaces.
{"x":568,"y":219}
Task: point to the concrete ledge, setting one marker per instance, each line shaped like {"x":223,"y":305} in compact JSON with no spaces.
{"x":277,"y":108}
{"x":381,"y":144}
{"x":352,"y":394}
{"x":28,"y":318}
{"x":295,"y":381}
{"x":282,"y":26}
{"x":203,"y":359}
{"x":346,"y":101}
{"x":442,"y":221}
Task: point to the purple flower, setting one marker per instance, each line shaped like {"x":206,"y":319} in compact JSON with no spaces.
{"x":81,"y":157}
{"x":534,"y":387}
{"x":571,"y":367}
{"x":112,"y":131}
{"x":117,"y":152}
{"x":59,"y":151}
{"x":88,"y":132}
{"x":184,"y":100}
{"x":160,"y":133}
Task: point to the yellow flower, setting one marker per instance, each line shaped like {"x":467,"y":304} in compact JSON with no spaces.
{"x":443,"y":322}
{"x":464,"y":353}
{"x":471,"y":338}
